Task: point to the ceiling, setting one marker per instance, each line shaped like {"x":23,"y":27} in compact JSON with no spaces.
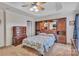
{"x":50,"y":7}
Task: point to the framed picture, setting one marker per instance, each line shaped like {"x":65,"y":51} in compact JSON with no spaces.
{"x":53,"y":25}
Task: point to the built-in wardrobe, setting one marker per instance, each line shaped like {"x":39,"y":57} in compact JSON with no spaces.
{"x":54,"y":26}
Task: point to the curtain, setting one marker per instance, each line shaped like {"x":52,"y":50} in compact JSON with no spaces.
{"x":76,"y":31}
{"x":75,"y":28}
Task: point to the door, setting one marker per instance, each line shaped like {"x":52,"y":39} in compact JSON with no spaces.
{"x":29,"y":28}
{"x":61,"y":30}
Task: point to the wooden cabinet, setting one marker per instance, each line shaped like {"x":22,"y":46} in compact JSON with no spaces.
{"x":40,"y":27}
{"x":61,"y":30}
{"x":43,"y":26}
{"x":19,"y":33}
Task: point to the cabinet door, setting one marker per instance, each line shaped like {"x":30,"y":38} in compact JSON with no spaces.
{"x":61,"y":31}
{"x":61,"y":25}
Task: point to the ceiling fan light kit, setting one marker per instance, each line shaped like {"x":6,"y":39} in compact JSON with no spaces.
{"x":37,"y":6}
{"x":34,"y":9}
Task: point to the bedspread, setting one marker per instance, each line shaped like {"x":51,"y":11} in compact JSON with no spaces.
{"x":40,"y":43}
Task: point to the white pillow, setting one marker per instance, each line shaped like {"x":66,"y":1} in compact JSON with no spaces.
{"x":51,"y":35}
{"x":42,"y":34}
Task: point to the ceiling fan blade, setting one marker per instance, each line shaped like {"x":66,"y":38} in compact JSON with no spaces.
{"x":24,"y":5}
{"x":40,"y":7}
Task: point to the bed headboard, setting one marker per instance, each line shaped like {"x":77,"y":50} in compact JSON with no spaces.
{"x":48,"y":26}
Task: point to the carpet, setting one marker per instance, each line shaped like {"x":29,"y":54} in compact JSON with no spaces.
{"x":57,"y":50}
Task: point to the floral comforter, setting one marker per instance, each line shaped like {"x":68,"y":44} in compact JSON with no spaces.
{"x":40,"y":43}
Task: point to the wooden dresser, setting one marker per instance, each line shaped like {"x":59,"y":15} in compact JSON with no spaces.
{"x":19,"y":33}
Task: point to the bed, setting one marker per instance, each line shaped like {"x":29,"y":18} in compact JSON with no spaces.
{"x":41,"y":43}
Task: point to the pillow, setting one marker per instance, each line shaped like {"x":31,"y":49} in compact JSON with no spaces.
{"x":42,"y":33}
{"x":51,"y":35}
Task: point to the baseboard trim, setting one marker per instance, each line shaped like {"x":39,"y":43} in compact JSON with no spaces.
{"x":5,"y":47}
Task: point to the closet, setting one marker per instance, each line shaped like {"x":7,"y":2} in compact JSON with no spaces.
{"x":56,"y":26}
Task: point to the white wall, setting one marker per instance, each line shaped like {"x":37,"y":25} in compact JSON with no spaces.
{"x":70,"y":28}
{"x":1,"y":29}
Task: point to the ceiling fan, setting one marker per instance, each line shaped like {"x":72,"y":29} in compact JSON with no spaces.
{"x":39,"y":6}
{"x":36,"y":6}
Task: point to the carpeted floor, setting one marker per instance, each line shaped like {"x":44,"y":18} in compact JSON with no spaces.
{"x":57,"y":50}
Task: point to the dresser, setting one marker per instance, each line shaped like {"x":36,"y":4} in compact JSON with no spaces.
{"x":19,"y":33}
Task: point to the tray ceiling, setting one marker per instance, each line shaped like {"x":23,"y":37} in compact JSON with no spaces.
{"x":50,"y":7}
